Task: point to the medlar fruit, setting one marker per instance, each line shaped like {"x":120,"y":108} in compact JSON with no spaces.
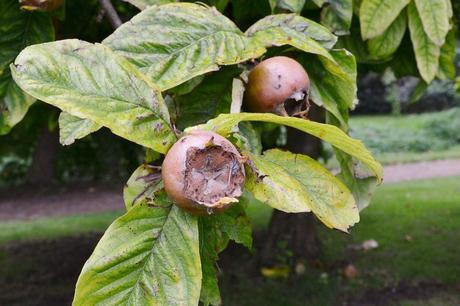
{"x":203,"y":173}
{"x":279,"y":85}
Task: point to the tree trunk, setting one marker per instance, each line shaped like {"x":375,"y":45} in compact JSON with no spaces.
{"x":42,"y":170}
{"x":292,"y":238}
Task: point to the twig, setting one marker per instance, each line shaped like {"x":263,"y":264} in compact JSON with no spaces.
{"x":110,"y":13}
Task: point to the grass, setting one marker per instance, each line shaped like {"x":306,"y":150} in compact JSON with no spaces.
{"x":411,"y":157}
{"x":415,"y":223}
{"x":55,"y":227}
{"x":409,"y":138}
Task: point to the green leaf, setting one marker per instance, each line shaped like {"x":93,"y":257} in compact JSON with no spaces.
{"x":72,"y":128}
{"x":356,"y":46}
{"x":175,"y":42}
{"x":143,"y":4}
{"x":249,"y":138}
{"x":450,"y":10}
{"x":18,"y":29}
{"x":142,"y":186}
{"x":297,"y":183}
{"x":294,"y":30}
{"x":384,"y":45}
{"x":219,"y":4}
{"x":209,"y":99}
{"x":426,"y":52}
{"x":149,"y":256}
{"x":362,"y":187}
{"x":215,"y":232}
{"x":224,"y":124}
{"x":14,"y":104}
{"x":212,"y":242}
{"x":376,"y":15}
{"x":337,"y":16}
{"x":447,"y":58}
{"x":90,"y":81}
{"x":236,"y":224}
{"x":435,"y":20}
{"x":335,"y":90}
{"x":294,"y":6}
{"x":362,"y":184}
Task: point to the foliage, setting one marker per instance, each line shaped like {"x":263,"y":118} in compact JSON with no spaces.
{"x":162,"y":71}
{"x":18,"y":29}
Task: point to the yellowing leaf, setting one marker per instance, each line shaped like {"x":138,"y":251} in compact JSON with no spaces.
{"x":297,"y":183}
{"x":175,"y":42}
{"x":376,"y":16}
{"x":385,"y":45}
{"x":426,"y":52}
{"x":224,"y":124}
{"x":91,"y":81}
{"x":434,"y":16}
{"x":148,"y":256}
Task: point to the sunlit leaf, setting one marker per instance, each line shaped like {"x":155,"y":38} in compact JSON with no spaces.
{"x":175,"y":42}
{"x":72,"y":128}
{"x":297,"y":183}
{"x":149,"y":256}
{"x":447,"y":58}
{"x":90,"y":81}
{"x":386,"y":44}
{"x":142,"y":186}
{"x":224,"y":124}
{"x":435,"y":20}
{"x":294,"y":30}
{"x":375,"y":16}
{"x":426,"y":52}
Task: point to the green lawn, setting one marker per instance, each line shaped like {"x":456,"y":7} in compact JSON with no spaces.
{"x":416,"y":224}
{"x":55,"y":227}
{"x":409,"y":138}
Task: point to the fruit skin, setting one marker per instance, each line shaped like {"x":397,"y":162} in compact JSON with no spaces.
{"x":40,"y":5}
{"x":175,"y":166}
{"x":273,"y":81}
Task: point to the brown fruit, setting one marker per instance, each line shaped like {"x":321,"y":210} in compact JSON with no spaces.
{"x":203,"y":173}
{"x":40,"y":5}
{"x":279,"y":85}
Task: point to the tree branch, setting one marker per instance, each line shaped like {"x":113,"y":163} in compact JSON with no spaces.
{"x":110,"y":13}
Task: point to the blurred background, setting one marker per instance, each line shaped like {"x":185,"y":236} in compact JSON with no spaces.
{"x":56,"y":201}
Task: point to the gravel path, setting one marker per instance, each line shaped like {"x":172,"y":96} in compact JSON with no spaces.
{"x":421,"y":170}
{"x":29,"y":203}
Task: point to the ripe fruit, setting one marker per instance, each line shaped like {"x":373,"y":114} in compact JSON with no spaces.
{"x":203,"y":173}
{"x":279,"y":85}
{"x":40,"y":5}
